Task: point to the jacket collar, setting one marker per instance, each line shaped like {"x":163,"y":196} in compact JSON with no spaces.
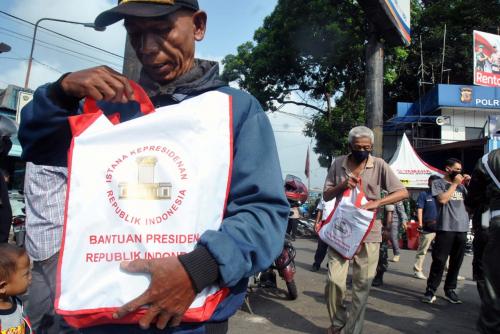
{"x":202,"y":77}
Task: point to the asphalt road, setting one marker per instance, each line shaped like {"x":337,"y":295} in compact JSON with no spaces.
{"x":393,"y":308}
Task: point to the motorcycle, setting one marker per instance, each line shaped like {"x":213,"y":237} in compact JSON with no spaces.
{"x":285,"y":265}
{"x":19,"y":229}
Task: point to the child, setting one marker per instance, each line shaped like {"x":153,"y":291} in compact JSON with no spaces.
{"x":15,"y":277}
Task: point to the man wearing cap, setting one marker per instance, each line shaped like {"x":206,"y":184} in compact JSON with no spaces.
{"x":495,"y":60}
{"x":163,"y":34}
{"x":481,"y":59}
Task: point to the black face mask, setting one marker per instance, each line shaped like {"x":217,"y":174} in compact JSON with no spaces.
{"x":452,"y":174}
{"x":360,"y":156}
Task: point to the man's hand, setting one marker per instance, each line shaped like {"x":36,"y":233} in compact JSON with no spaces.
{"x":458,"y":179}
{"x":466,"y":179}
{"x":351,"y":182}
{"x":317,"y":227}
{"x":99,"y":83}
{"x":371,"y":205}
{"x":169,"y":295}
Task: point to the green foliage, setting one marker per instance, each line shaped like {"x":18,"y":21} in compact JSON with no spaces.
{"x":428,"y":20}
{"x":317,"y":47}
{"x":331,"y":133}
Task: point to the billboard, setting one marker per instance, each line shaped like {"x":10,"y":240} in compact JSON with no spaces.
{"x":486,"y":59}
{"x":391,"y":18}
{"x":23,"y":98}
{"x":399,"y":13}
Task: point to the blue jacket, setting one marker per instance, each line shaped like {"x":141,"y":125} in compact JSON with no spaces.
{"x":253,"y":229}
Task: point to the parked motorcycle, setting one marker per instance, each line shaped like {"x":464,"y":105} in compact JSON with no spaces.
{"x":285,"y":265}
{"x":19,"y":229}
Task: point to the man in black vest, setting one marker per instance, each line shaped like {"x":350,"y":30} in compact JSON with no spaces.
{"x":484,"y":188}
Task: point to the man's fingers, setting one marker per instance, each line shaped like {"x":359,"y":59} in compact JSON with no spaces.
{"x":95,"y":94}
{"x":175,"y":321}
{"x":153,"y":312}
{"x":136,"y":266}
{"x":105,"y":89}
{"x":163,"y":320}
{"x":117,"y":87}
{"x":129,"y":92}
{"x":132,"y":306}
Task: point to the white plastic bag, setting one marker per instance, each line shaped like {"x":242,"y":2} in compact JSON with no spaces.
{"x":348,"y":225}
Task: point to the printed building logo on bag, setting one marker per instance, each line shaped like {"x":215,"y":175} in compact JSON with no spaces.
{"x":344,"y":228}
{"x":147,"y":185}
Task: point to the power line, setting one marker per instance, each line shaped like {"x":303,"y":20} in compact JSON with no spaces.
{"x":54,"y":47}
{"x":36,"y":61}
{"x":29,"y":39}
{"x":48,"y":66}
{"x":57,"y":46}
{"x":13,"y":58}
{"x":65,"y":36}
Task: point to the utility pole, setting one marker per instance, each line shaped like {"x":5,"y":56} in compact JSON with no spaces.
{"x":444,"y":53}
{"x":131,"y":65}
{"x":374,"y":81}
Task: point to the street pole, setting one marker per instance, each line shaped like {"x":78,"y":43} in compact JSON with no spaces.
{"x":131,"y":65}
{"x":374,"y":81}
{"x":30,"y":60}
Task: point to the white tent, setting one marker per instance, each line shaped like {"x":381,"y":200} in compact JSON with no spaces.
{"x":410,"y":168}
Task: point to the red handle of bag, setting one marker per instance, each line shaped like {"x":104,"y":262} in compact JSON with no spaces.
{"x":361,"y":194}
{"x":359,"y":197}
{"x":140,"y":96}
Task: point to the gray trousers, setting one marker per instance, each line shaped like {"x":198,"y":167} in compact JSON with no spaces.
{"x":41,"y":297}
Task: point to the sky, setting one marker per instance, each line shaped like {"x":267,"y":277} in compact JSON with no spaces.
{"x":228,"y":27}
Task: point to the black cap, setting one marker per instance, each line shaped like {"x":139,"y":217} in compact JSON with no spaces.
{"x":142,"y":8}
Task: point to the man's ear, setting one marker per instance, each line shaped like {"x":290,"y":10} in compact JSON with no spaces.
{"x":3,"y":287}
{"x":200,"y":25}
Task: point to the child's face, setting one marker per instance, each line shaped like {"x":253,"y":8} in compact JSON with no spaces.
{"x":20,"y":280}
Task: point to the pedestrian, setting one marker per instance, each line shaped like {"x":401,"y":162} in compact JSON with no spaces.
{"x":481,"y":58}
{"x":375,"y":175}
{"x":45,"y":196}
{"x":251,"y":234}
{"x":385,"y":215}
{"x":399,"y":219}
{"x":494,"y":60}
{"x":484,"y":189}
{"x":451,"y":232}
{"x":5,"y":208}
{"x":323,"y":211}
{"x":293,"y":220}
{"x":427,"y":220}
{"x":15,"y":277}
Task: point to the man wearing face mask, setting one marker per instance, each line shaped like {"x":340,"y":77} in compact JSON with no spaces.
{"x":5,"y":209}
{"x":451,"y":235}
{"x":374,"y":175}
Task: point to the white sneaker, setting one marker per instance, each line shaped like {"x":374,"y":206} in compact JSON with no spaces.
{"x":419,"y":275}
{"x":460,"y":278}
{"x":395,"y":258}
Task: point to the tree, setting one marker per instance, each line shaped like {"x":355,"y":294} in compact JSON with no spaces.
{"x":316,"y":47}
{"x":428,"y":19}
{"x":313,"y":47}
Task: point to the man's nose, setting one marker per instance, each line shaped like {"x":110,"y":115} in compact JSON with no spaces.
{"x":148,"y":44}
